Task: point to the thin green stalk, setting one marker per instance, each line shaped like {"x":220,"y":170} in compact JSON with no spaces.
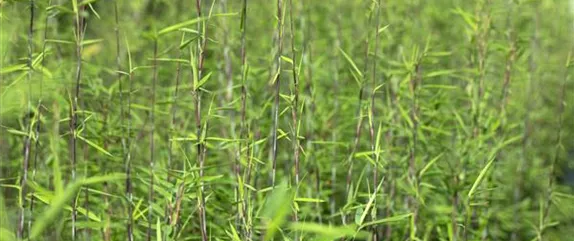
{"x":107,"y":230}
{"x":124,"y":141}
{"x":482,"y":35}
{"x":524,"y":160}
{"x":307,"y":59}
{"x":128,"y":164}
{"x":277,"y":87}
{"x":39,"y":116}
{"x":511,"y":58}
{"x":374,"y":155}
{"x":201,"y":149}
{"x":392,"y":102}
{"x":559,"y":132}
{"x":228,"y":81}
{"x":152,"y":141}
{"x":412,"y":169}
{"x":79,"y":30}
{"x":243,"y":143}
{"x":481,"y":44}
{"x":359,"y":126}
{"x":456,"y":190}
{"x":227,"y":70}
{"x":28,"y":121}
{"x":294,"y":107}
{"x":334,"y":136}
{"x":172,"y":212}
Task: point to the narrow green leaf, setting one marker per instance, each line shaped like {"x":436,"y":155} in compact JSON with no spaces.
{"x":352,"y":63}
{"x":324,"y":231}
{"x":234,"y":234}
{"x":429,"y":164}
{"x":481,"y":176}
{"x":94,"y":145}
{"x":13,"y":68}
{"x":370,"y":203}
{"x":287,"y":59}
{"x":383,"y":29}
{"x":202,"y":81}
{"x":387,"y":220}
{"x":183,"y":24}
{"x":308,"y":200}
{"x":177,"y":26}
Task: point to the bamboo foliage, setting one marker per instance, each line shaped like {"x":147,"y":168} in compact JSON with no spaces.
{"x":285,"y":120}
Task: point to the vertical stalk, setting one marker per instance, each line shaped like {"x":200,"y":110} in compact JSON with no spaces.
{"x":107,"y":231}
{"x":197,"y":96}
{"x":510,"y":59}
{"x":74,"y":111}
{"x":128,"y":164}
{"x":172,"y":212}
{"x":482,"y":48}
{"x":456,"y":194}
{"x":87,"y":230}
{"x":228,"y":66}
{"x":307,"y":59}
{"x":119,"y":76}
{"x":227,"y":72}
{"x":356,"y":142}
{"x":414,"y":83}
{"x":392,"y":103}
{"x":554,"y":165}
{"x":242,"y":142}
{"x":38,"y":116}
{"x":294,"y":107}
{"x":28,"y":121}
{"x":124,"y":142}
{"x":375,"y":155}
{"x":334,"y":136}
{"x":509,"y":65}
{"x":481,"y":38}
{"x":152,"y":141}
{"x":524,"y":159}
{"x":277,"y":86}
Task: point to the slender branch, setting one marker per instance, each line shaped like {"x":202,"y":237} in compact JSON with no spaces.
{"x":28,"y":121}
{"x":152,"y":140}
{"x":335,"y":120}
{"x":510,"y":59}
{"x":128,"y":163}
{"x":358,"y":129}
{"x":554,"y":165}
{"x":80,"y":28}
{"x":277,"y":83}
{"x":524,"y":160}
{"x":392,"y":102}
{"x":242,"y":142}
{"x":481,"y":41}
{"x":39,"y":115}
{"x":375,"y":155}
{"x":107,"y":231}
{"x":124,"y":142}
{"x":173,"y":212}
{"x":201,"y":149}
{"x":414,"y":83}
{"x":294,"y":106}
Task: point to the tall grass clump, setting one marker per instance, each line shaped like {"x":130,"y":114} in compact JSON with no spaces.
{"x":286,"y":120}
